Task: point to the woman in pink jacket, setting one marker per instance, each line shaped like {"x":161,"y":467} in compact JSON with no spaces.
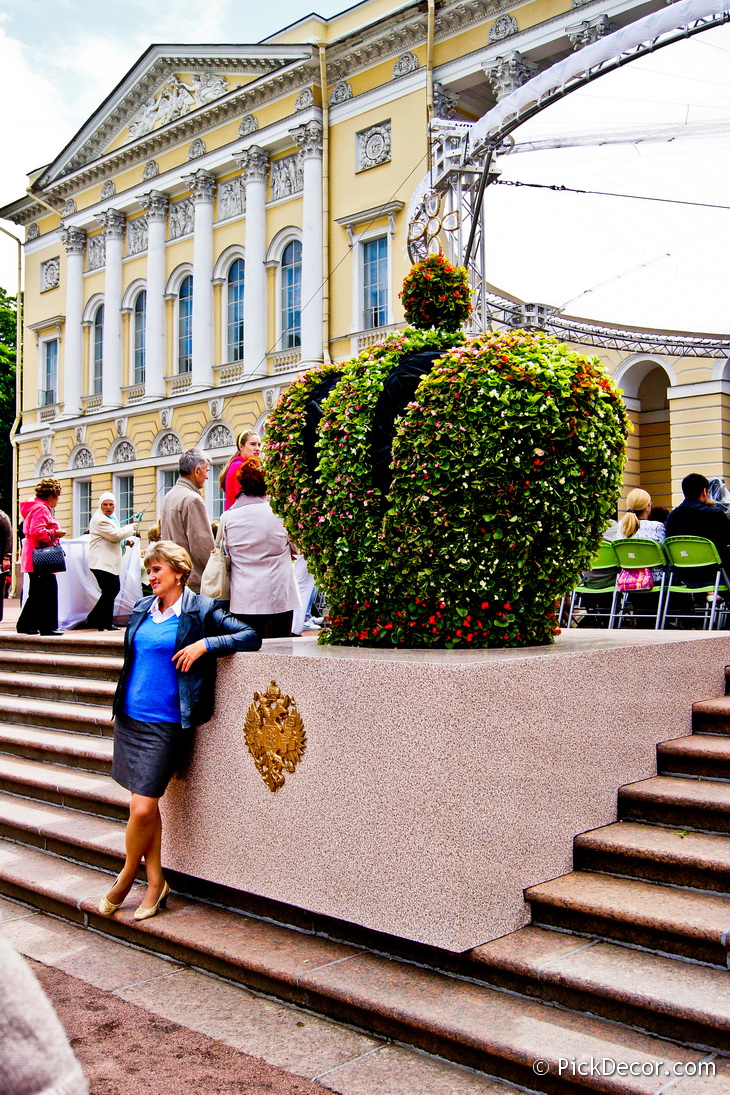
{"x":248,"y":444}
{"x":40,"y":611}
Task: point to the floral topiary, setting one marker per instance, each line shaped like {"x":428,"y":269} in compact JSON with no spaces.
{"x":503,"y":465}
{"x":436,"y":294}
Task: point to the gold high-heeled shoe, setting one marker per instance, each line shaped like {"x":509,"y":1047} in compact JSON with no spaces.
{"x":144,"y":914}
{"x":106,"y":908}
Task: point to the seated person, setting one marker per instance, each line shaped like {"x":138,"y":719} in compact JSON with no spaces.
{"x":636,"y":523}
{"x":659,"y":513}
{"x":697,"y":515}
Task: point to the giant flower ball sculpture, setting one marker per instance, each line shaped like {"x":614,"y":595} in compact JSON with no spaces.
{"x":448,"y":491}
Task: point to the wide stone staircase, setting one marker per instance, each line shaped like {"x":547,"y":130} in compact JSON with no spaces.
{"x":619,"y":984}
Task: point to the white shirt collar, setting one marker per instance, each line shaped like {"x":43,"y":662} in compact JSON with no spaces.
{"x":160,"y":617}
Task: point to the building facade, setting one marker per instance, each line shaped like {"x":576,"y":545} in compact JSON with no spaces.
{"x":231,"y":215}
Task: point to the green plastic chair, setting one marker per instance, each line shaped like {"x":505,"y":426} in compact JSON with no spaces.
{"x":636,"y":553}
{"x":604,"y":559}
{"x":685,"y":553}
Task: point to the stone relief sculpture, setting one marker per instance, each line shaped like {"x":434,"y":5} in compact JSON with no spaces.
{"x":137,"y":235}
{"x":502,"y":28}
{"x":69,"y":207}
{"x":182,"y":218}
{"x":47,"y":467}
{"x":341,"y":92}
{"x":108,"y":190}
{"x":249,"y":124}
{"x":304,"y":99}
{"x":231,"y":199}
{"x":96,"y":252}
{"x":373,"y":146}
{"x":50,"y":274}
{"x":169,"y":445}
{"x":407,"y":62}
{"x":197,"y":148}
{"x":32,"y":232}
{"x":84,"y":459}
{"x":219,"y":437}
{"x":151,"y":170}
{"x":124,"y":453}
{"x":287,"y":177}
{"x":177,"y":98}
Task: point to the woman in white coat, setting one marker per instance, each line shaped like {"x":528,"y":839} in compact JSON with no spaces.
{"x":264,"y":591}
{"x":105,"y":560}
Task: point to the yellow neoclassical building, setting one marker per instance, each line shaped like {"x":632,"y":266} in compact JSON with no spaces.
{"x":230,"y":215}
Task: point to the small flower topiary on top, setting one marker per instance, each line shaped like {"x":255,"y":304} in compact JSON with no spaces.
{"x":446,"y":491}
{"x":436,"y":294}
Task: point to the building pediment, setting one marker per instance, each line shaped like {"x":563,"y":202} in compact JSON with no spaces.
{"x":167,"y":84}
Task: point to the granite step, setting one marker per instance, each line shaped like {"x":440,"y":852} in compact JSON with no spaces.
{"x":65,"y":688}
{"x":70,"y":834}
{"x":498,"y":1033}
{"x":79,"y":790}
{"x":99,"y":666}
{"x":667,"y":996}
{"x":92,"y":752}
{"x":88,"y":644}
{"x":697,"y":756}
{"x":674,"y":856}
{"x":670,"y":800}
{"x":712,"y":716}
{"x":56,"y":715}
{"x":659,"y":918}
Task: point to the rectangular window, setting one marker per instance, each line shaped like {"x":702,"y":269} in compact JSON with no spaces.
{"x":140,"y":335}
{"x":125,"y":494}
{"x":375,"y":282}
{"x":217,"y":499}
{"x":84,"y":507}
{"x":48,"y":393}
{"x":168,"y":479}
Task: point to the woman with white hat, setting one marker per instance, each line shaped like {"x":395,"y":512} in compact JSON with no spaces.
{"x":105,"y":560}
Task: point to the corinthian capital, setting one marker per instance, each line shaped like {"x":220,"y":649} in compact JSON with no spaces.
{"x":507,"y":73}
{"x":309,"y":138}
{"x":74,"y":240}
{"x":156,"y":205}
{"x":253,"y":163}
{"x":202,"y":184}
{"x":112,"y":221}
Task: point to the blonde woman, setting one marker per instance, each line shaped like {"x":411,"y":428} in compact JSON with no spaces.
{"x":636,"y":523}
{"x":166,"y":689}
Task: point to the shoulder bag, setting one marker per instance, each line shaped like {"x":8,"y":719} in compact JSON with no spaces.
{"x":216,"y":579}
{"x":50,"y":559}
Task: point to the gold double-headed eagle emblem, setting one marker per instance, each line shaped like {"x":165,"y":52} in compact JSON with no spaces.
{"x":274,"y":734}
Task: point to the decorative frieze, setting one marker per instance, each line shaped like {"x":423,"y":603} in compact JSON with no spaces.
{"x":304,"y":99}
{"x":137,"y":235}
{"x":373,"y":146}
{"x":407,"y":62}
{"x":501,"y":28}
{"x":197,"y":148}
{"x":123,"y":453}
{"x":590,"y":31}
{"x":80,"y":434}
{"x":287,"y":177}
{"x":50,"y":274}
{"x":231,"y":199}
{"x":177,"y":98}
{"x":202,"y":184}
{"x":155,"y":204}
{"x":32,"y":232}
{"x":215,"y":407}
{"x":249,"y":124}
{"x":84,"y":458}
{"x":507,"y":73}
{"x":47,"y":468}
{"x":113,"y":222}
{"x":74,"y":240}
{"x":254,"y":163}
{"x":219,"y":437}
{"x":108,"y":190}
{"x":341,"y":92}
{"x":182,"y":218}
{"x":150,"y":171}
{"x":69,"y":208}
{"x":169,"y":445}
{"x":96,"y":253}
{"x":121,"y":426}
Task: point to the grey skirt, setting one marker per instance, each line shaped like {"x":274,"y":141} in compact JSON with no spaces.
{"x":147,"y":754}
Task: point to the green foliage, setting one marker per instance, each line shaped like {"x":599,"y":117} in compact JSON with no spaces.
{"x":7,"y":393}
{"x":506,"y":467}
{"x":436,"y":294}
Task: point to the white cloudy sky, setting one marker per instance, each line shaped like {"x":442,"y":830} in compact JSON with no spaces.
{"x":642,"y":263}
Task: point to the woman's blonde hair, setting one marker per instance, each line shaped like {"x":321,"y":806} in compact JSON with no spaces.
{"x":47,"y":488}
{"x":636,"y":503}
{"x":240,"y":440}
{"x":164,"y":551}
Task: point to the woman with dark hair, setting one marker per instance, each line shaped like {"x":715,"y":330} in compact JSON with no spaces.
{"x":166,"y":689}
{"x":264,"y":590}
{"x":248,"y":444}
{"x":40,"y":529}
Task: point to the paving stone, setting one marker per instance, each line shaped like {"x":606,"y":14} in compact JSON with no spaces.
{"x":398,"y":1071}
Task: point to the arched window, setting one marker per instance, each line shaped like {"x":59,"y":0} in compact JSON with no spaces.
{"x":235,"y":311}
{"x":98,"y":355}
{"x":185,"y":326}
{"x":140,"y":336}
{"x":291,"y":295}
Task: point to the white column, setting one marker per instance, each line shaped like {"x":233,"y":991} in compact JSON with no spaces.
{"x":74,"y":240}
{"x":111,"y":389}
{"x":202,"y":184}
{"x":309,"y":137}
{"x":157,"y":206}
{"x":254,"y":164}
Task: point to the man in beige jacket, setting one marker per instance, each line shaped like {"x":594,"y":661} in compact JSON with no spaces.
{"x":184,"y":518}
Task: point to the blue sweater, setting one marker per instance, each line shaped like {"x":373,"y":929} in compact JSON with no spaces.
{"x":152,"y":691}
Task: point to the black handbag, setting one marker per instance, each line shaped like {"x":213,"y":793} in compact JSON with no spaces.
{"x":50,"y":559}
